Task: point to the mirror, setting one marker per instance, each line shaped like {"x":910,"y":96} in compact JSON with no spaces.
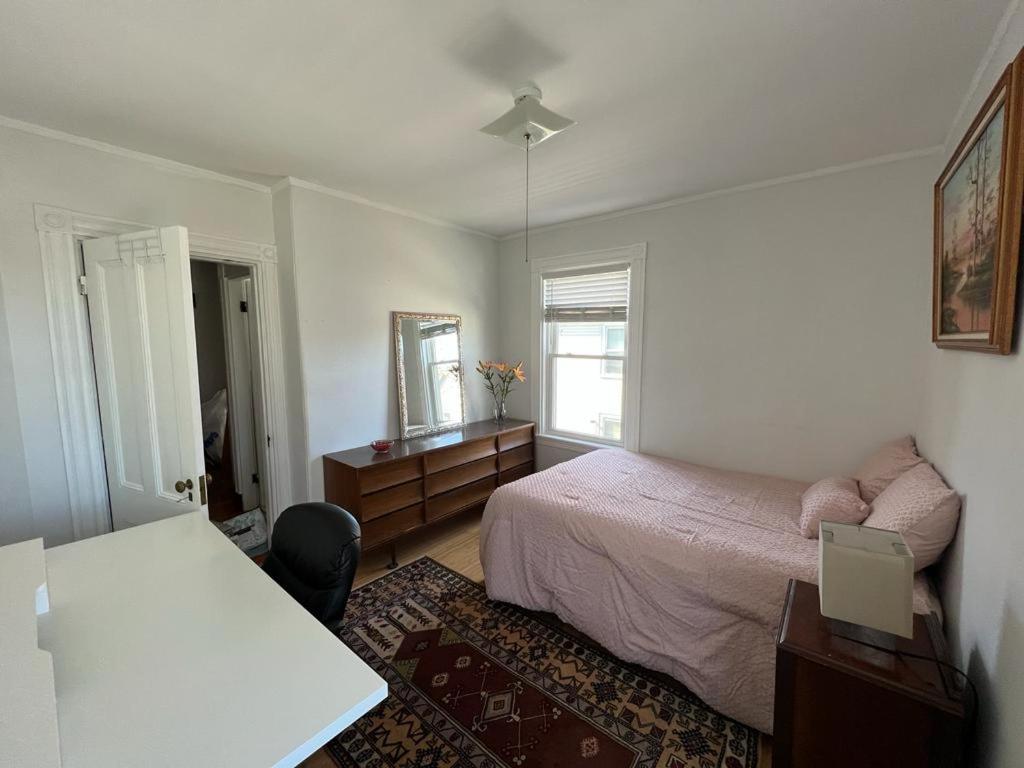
{"x":428,"y":360}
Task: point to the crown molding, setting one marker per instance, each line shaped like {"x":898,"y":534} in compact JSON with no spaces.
{"x":291,"y":181}
{"x":112,"y":149}
{"x":202,"y":173}
{"x":828,"y":171}
{"x":983,"y":65}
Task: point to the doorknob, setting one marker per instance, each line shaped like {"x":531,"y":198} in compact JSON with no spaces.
{"x":183,"y":485}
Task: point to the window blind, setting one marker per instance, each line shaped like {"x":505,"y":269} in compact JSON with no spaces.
{"x":439,"y":329}
{"x":593,"y":297}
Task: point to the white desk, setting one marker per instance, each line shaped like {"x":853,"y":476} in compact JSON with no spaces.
{"x":171,"y":648}
{"x":28,"y":707}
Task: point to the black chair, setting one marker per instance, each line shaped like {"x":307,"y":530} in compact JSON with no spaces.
{"x":313,"y":557}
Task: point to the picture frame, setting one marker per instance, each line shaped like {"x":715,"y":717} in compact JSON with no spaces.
{"x":978,"y":205}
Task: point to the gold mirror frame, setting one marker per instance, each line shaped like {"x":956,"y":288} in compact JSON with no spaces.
{"x":403,"y":406}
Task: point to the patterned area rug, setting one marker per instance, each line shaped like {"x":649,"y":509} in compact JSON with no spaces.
{"x":479,"y":684}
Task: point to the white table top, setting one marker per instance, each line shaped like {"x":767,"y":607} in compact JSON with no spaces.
{"x":172,"y":648}
{"x":28,"y":707}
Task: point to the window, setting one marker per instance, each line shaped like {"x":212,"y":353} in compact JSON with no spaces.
{"x":588,"y":329}
{"x":614,"y":345}
{"x":611,"y":427}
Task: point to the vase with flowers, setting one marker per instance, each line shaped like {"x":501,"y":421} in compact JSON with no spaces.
{"x":498,"y":379}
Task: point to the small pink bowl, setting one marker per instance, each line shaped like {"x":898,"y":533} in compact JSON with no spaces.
{"x":382,"y":446}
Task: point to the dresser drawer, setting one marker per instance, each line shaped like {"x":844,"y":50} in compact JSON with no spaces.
{"x":389,"y":473}
{"x":451,"y":502}
{"x":458,"y":476}
{"x":391,"y":499}
{"x":391,"y":525}
{"x":515,"y":437}
{"x":521,"y":455}
{"x":459,"y":454}
{"x":515,"y":473}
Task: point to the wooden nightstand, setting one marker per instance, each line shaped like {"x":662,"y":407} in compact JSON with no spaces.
{"x":839,"y":703}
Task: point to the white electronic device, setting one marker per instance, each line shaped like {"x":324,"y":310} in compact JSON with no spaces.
{"x":866,"y":577}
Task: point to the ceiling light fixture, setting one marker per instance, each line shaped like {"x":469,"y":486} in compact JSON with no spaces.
{"x":525,"y":126}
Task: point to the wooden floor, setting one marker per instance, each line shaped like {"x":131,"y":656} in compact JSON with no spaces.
{"x":455,"y":544}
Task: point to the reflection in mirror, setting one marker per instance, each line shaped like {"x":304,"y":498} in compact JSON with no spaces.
{"x":428,"y":358}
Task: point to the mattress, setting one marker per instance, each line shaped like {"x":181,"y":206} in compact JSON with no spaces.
{"x":677,"y":567}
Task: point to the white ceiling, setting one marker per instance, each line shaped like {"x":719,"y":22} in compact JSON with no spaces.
{"x":384,"y":99}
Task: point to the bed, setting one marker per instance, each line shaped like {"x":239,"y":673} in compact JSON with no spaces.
{"x":676,"y":567}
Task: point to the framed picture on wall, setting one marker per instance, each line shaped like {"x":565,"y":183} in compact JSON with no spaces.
{"x":978,"y":201}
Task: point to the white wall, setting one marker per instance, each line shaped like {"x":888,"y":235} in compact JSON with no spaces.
{"x":972,"y":428}
{"x":15,"y":502}
{"x":782,"y":326}
{"x":342,"y":266}
{"x":354,"y":265}
{"x":34,"y":169}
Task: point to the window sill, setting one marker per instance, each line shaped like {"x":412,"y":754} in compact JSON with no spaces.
{"x":570,"y":443}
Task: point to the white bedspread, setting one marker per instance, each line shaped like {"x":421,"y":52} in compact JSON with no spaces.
{"x":680,"y":568}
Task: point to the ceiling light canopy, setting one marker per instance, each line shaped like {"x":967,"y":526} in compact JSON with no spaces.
{"x":525,"y":126}
{"x":527,"y":119}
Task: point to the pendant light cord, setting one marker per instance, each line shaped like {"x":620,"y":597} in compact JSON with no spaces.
{"x":526,"y":236}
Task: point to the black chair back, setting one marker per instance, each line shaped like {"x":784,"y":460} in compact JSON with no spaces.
{"x":314,"y":553}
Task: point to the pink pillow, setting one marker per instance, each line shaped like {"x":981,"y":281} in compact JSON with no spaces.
{"x":834,"y":499}
{"x":886,"y":464}
{"x":921,"y":507}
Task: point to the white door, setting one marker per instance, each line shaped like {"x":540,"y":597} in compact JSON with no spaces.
{"x":241,"y":349}
{"x":139,"y":291}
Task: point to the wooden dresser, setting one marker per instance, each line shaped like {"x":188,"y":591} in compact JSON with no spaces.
{"x":424,"y":480}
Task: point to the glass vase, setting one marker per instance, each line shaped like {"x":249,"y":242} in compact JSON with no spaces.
{"x":499,"y":411}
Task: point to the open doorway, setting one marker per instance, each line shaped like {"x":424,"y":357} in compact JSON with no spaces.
{"x":122,"y":335}
{"x":227,"y":344}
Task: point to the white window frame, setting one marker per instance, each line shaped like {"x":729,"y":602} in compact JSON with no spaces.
{"x":604,"y":418}
{"x":605,"y":374}
{"x":635,"y":257}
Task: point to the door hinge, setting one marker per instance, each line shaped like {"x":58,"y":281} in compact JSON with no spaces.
{"x":204,"y":480}
{"x":255,"y":478}
{"x":268,"y":441}
{"x":83,"y":285}
{"x":243,"y":306}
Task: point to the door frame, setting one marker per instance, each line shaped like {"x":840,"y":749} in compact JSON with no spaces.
{"x":59,"y":229}
{"x":241,"y":423}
